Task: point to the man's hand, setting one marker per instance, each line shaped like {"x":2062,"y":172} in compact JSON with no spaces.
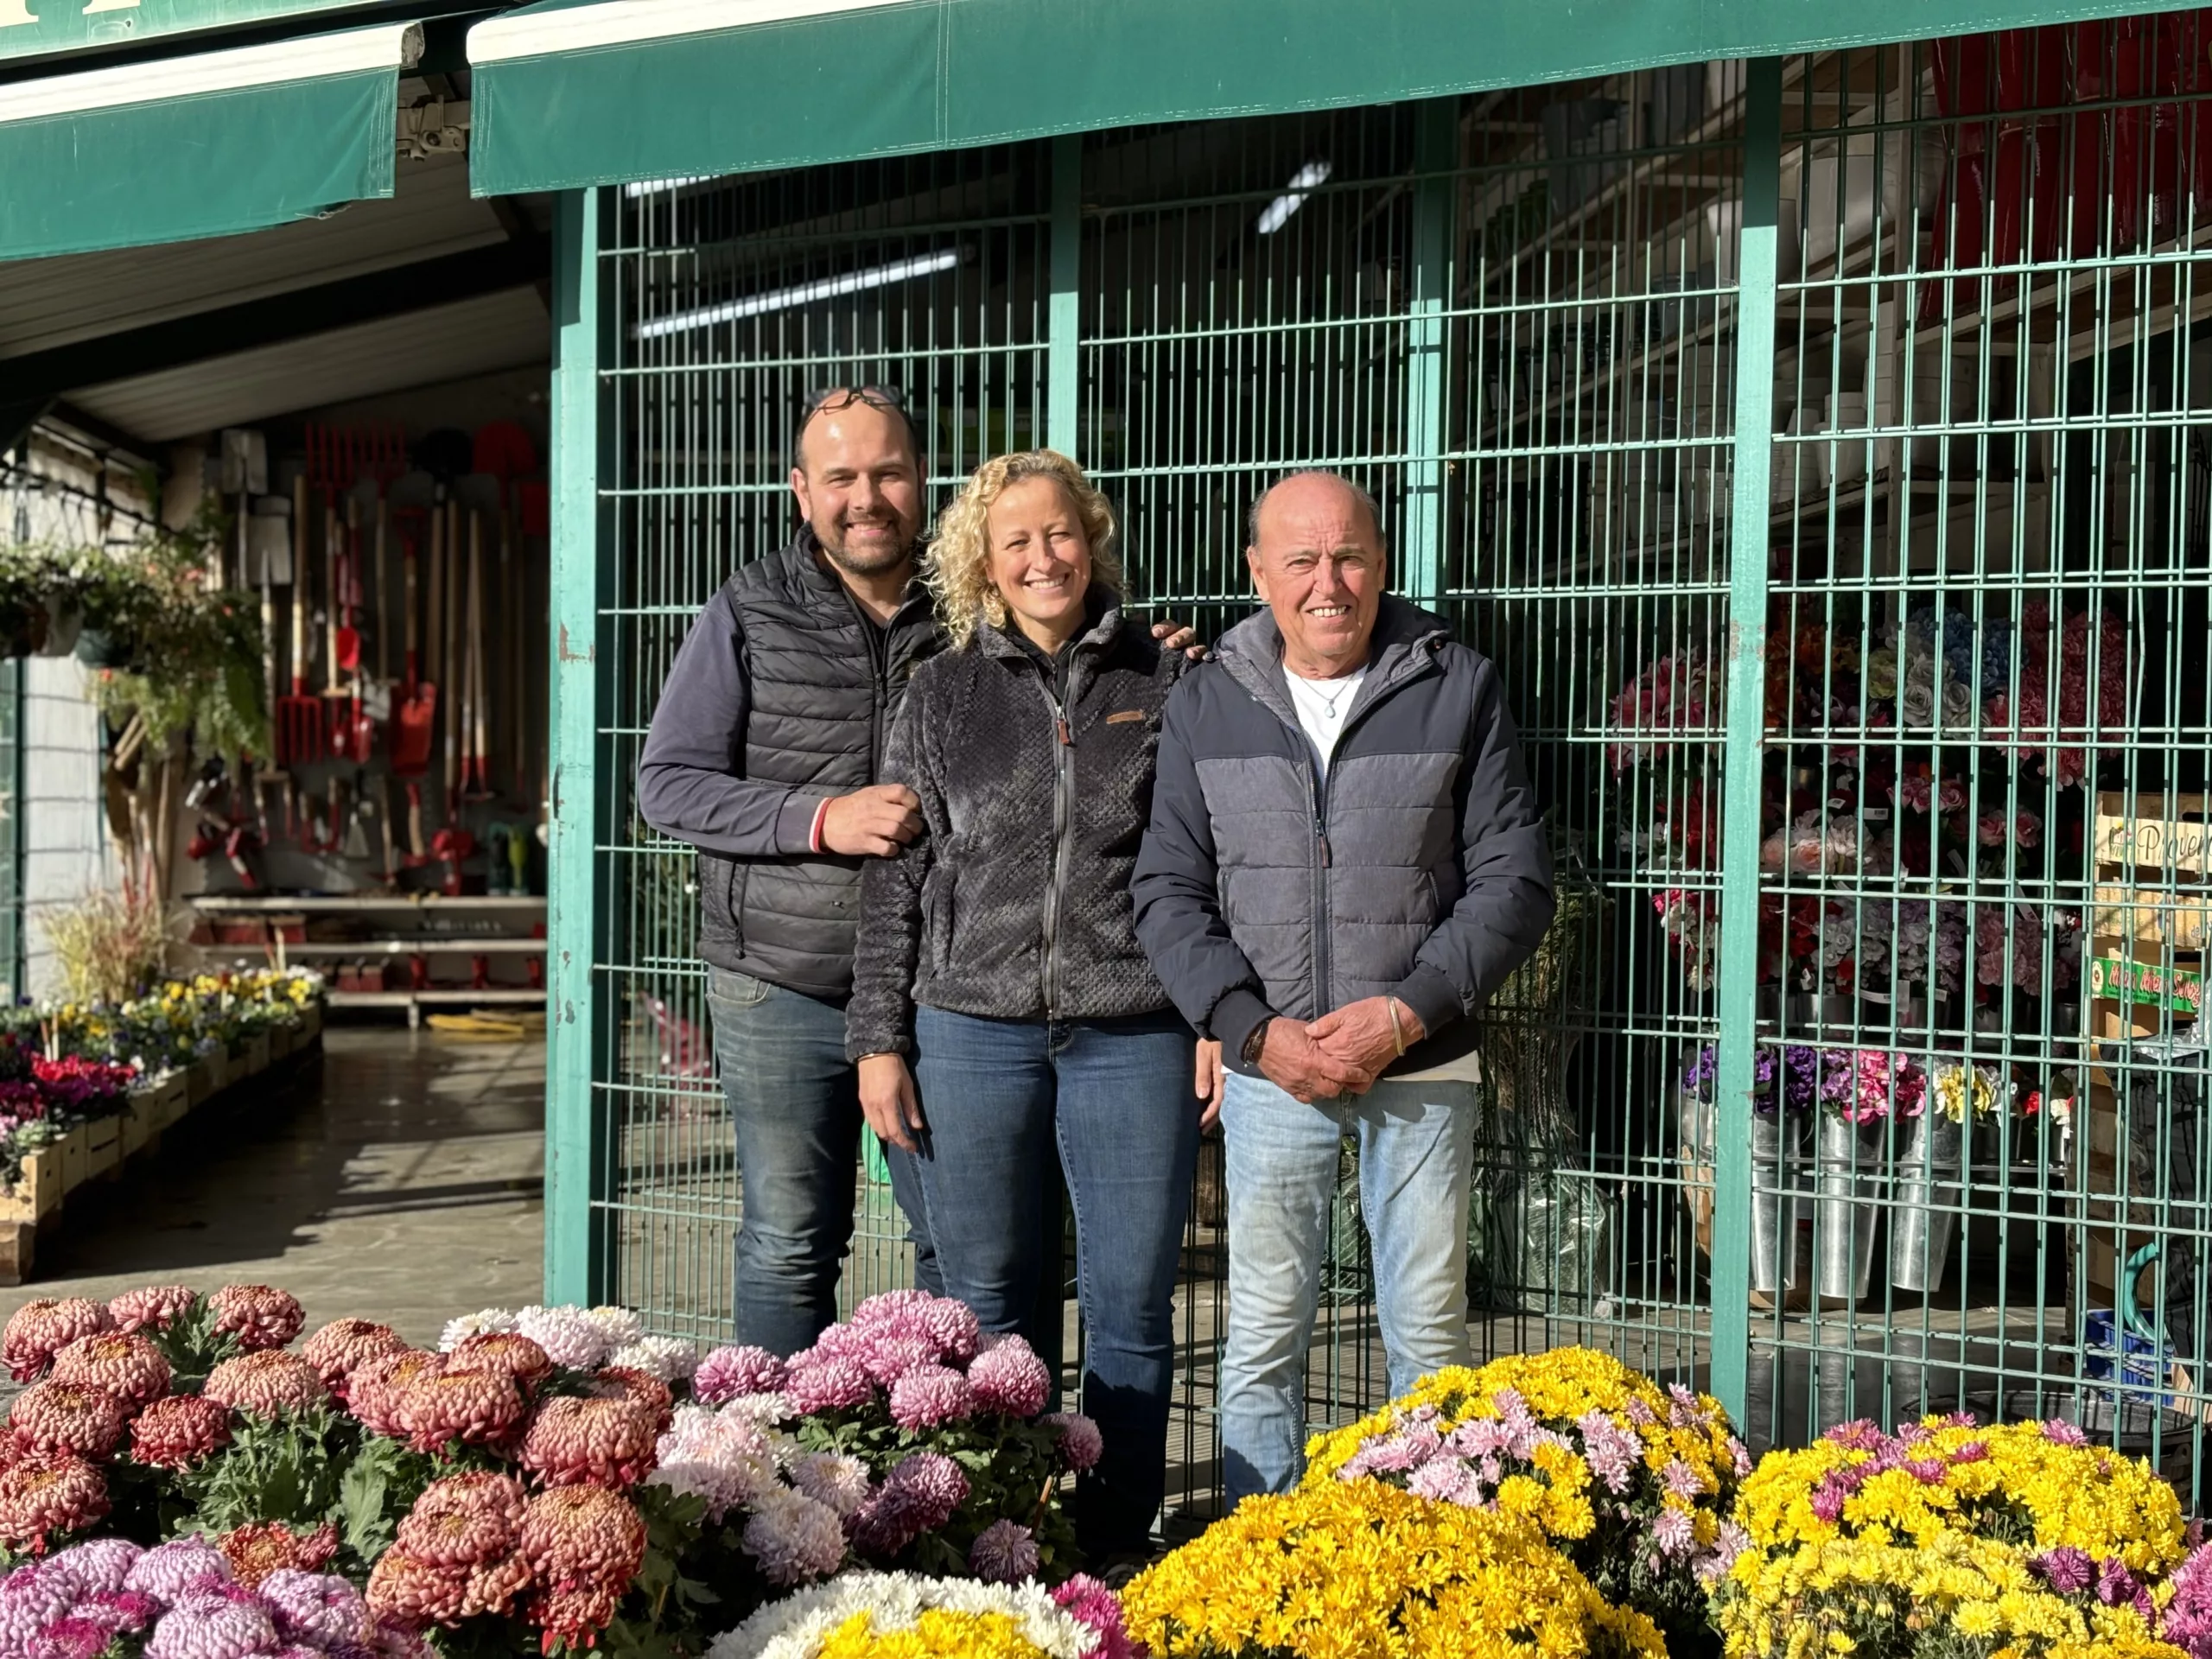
{"x":1208,"y":1079}
{"x":1176,"y":637}
{"x":888,"y":1101}
{"x":1299,"y":1066}
{"x":872,"y":822}
{"x":1359,"y":1036}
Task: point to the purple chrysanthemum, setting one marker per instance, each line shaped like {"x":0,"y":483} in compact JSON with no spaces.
{"x":208,"y":1624}
{"x":1081,"y":1443}
{"x":1004,"y":1552}
{"x":319,"y":1610}
{"x":920,"y":1495}
{"x":2066,"y":1569}
{"x":829,"y":1478}
{"x":98,"y":1567}
{"x":170,"y":1572}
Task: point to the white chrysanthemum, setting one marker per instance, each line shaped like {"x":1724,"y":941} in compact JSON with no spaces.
{"x":726,"y":1460}
{"x":622,"y":1327}
{"x":827,"y":1478}
{"x":798,"y":1625}
{"x":793,"y":1538}
{"x":485,"y":1322}
{"x":766,"y":1409}
{"x":569,"y":1335}
{"x":670,"y":1358}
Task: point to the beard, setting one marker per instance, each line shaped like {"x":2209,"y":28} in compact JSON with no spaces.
{"x":873,"y":561}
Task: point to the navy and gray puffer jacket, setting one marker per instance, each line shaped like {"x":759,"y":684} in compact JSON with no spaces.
{"x":1419,"y":870}
{"x":1036,"y":785}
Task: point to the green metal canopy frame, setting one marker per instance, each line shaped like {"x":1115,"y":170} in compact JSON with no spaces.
{"x":208,"y":145}
{"x":573,"y":92}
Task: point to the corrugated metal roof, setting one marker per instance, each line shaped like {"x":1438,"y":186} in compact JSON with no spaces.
{"x":498,"y":331}
{"x":46,"y":302}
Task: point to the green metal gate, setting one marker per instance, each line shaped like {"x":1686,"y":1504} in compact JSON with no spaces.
{"x":1852,"y":726}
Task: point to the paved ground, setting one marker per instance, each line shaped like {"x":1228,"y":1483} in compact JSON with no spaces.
{"x":407,"y":1187}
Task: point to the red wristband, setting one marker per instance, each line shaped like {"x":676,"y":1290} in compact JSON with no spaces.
{"x":814,"y":831}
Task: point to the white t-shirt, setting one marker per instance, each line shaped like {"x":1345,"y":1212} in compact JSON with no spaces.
{"x":1323,"y":706}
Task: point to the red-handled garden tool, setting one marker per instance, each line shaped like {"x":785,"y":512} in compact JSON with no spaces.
{"x":299,"y":716}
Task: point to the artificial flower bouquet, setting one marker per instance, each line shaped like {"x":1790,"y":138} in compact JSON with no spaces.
{"x":1949,"y":1539}
{"x":1360,"y":1568}
{"x":1632,"y":1482}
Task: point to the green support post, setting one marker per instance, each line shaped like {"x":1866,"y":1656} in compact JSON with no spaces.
{"x":1436,"y":153}
{"x":576,"y":1266}
{"x":1063,"y":325}
{"x":1737,"y":998}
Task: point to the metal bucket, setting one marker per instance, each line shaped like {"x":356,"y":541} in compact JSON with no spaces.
{"x":1777,"y":1186}
{"x":1925,"y":1219}
{"x":1847,"y":1180}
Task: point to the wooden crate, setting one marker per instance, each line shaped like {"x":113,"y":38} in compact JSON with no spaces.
{"x":72,"y":1147}
{"x":200,"y":1080}
{"x":256,"y":1055}
{"x":176,"y":1099}
{"x":141,"y":1111}
{"x":310,"y":1023}
{"x":38,"y":1194}
{"x":103,"y":1145}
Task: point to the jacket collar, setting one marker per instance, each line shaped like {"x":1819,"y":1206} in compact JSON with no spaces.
{"x":1105,"y":623}
{"x":1402,"y":646}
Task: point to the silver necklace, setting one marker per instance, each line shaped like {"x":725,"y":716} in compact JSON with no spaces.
{"x":1328,"y":701}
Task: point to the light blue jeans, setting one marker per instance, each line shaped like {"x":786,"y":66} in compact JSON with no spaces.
{"x":1416,"y":1162}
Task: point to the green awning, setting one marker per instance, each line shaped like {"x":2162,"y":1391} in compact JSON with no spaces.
{"x":573,"y":92}
{"x":205,"y":144}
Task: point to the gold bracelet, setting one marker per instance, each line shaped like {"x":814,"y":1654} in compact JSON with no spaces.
{"x":1397,"y":1035}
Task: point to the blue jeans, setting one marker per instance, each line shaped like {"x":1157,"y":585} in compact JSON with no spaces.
{"x":1112,"y":1100}
{"x":795,"y":1104}
{"x":1416,"y":1162}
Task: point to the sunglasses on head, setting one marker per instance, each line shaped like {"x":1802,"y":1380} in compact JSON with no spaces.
{"x":832,"y":398}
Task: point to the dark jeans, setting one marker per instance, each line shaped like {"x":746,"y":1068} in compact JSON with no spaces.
{"x":795,"y":1104}
{"x":1111,"y":1099}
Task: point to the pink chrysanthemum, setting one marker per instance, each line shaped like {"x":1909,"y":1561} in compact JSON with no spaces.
{"x":372,"y":1393}
{"x":570,"y":1337}
{"x":124,"y":1363}
{"x":726,"y":1460}
{"x":590,"y":1442}
{"x":266,"y":1384}
{"x":67,"y":1417}
{"x":151,"y":1307}
{"x":210,"y":1624}
{"x":38,"y":1329}
{"x":620,"y":1382}
{"x":795,"y":1538}
{"x":1004,"y":1552}
{"x":259,"y":1316}
{"x":930,"y":1397}
{"x":831,"y":1479}
{"x":728,"y":1372}
{"x":170,"y":1572}
{"x":1081,"y":1443}
{"x":318,"y":1610}
{"x":343,"y":1346}
{"x":952,"y":1327}
{"x":891,"y":1356}
{"x":176,"y":1432}
{"x":1087,"y":1601}
{"x":44,"y":1494}
{"x":510,"y":1353}
{"x":455,"y":1553}
{"x":261,"y":1548}
{"x":889,"y":1307}
{"x":828,"y":1385}
{"x":99,"y":1566}
{"x":475,"y":1408}
{"x":584,"y":1545}
{"x":1010,"y":1378}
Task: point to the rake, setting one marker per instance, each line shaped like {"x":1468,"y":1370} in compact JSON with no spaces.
{"x":299,"y":716}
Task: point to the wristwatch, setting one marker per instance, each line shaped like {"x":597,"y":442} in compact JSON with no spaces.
{"x":1255,"y":1040}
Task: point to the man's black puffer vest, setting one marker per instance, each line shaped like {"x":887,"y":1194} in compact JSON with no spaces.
{"x":826,"y":684}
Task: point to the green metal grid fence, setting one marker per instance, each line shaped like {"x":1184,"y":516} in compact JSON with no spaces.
{"x":1813,"y":444}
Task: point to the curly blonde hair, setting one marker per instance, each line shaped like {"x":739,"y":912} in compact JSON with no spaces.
{"x":958,"y":568}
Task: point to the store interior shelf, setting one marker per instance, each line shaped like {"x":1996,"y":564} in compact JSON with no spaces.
{"x":247,"y":904}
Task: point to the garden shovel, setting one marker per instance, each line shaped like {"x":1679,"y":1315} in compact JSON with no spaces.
{"x":299,"y":716}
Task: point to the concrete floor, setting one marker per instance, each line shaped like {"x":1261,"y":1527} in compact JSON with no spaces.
{"x":407,"y":1187}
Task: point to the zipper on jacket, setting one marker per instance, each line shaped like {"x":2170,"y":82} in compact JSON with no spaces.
{"x":1321,"y":1002}
{"x":1063,"y":828}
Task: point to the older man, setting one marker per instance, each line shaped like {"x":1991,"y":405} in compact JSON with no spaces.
{"x":1345,"y":860}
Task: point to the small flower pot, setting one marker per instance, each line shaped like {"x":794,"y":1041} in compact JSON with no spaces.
{"x":1848,"y":1176}
{"x":1925,"y":1218}
{"x":106,"y":648}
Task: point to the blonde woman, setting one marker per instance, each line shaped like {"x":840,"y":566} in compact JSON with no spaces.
{"x":1003,"y":1016}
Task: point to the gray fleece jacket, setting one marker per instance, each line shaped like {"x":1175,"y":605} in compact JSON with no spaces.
{"x":1418,"y":870}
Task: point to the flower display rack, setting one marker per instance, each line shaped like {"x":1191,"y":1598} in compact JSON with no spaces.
{"x":100,"y":1148}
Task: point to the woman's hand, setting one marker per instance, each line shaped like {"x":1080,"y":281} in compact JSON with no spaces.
{"x":888,"y":1100}
{"x":1209,"y":1078}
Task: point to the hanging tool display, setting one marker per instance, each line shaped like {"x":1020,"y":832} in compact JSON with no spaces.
{"x":299,"y":716}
